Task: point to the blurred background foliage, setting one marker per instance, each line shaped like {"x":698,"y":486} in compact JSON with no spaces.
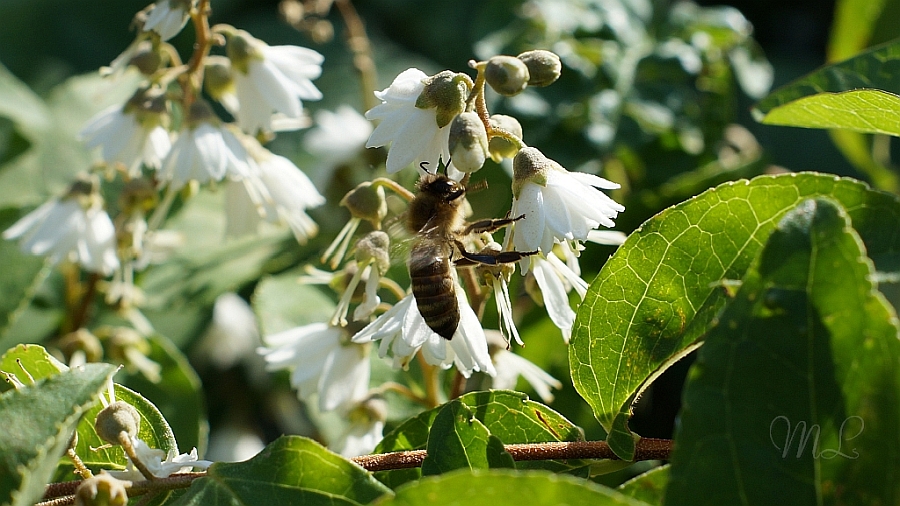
{"x":654,"y":95}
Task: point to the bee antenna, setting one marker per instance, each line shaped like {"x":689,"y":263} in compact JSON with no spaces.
{"x":444,"y":165}
{"x":424,"y":166}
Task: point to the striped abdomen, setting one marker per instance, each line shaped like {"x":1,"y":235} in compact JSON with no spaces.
{"x":432,"y":285}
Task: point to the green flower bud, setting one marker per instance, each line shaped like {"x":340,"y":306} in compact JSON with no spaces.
{"x":544,"y":67}
{"x":241,"y":48}
{"x":146,"y":59}
{"x":530,"y":165}
{"x":446,"y":92}
{"x":374,"y":247}
{"x":499,"y":147}
{"x":217,"y":80}
{"x":366,"y":202}
{"x":508,"y":76}
{"x":468,"y":142}
{"x":116,"y":418}
{"x":82,"y":340}
{"x":101,"y":490}
{"x":138,"y":195}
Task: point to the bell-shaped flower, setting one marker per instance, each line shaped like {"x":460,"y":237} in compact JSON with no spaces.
{"x":159,"y":463}
{"x":364,"y":430}
{"x":270,"y":79}
{"x":278,"y":189}
{"x":131,"y":135}
{"x":555,"y":279}
{"x":337,"y":138}
{"x":74,"y":227}
{"x":403,"y":332}
{"x":415,"y":114}
{"x":205,"y":151}
{"x":557,"y":205}
{"x":168,"y":17}
{"x":322,"y":363}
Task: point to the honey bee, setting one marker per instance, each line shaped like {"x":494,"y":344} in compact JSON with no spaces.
{"x":436,"y":218}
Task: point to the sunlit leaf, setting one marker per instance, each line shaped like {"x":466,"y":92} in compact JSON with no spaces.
{"x":657,"y":295}
{"x":649,"y":487}
{"x":508,"y":415}
{"x":496,"y":486}
{"x":28,"y":363}
{"x":866,"y":111}
{"x":291,"y":470}
{"x":793,"y":397}
{"x":38,"y":421}
{"x":458,"y":440}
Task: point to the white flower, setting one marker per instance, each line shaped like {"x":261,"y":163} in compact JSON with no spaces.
{"x":124,"y":139}
{"x":168,"y":17}
{"x":75,"y":228}
{"x":413,"y":132}
{"x":403,"y":332}
{"x":337,"y":138}
{"x":205,"y":152}
{"x":558,"y":205}
{"x":270,"y":79}
{"x":159,"y":463}
{"x":555,"y":279}
{"x":360,"y":438}
{"x":233,"y":443}
{"x":281,"y":193}
{"x":320,"y":364}
{"x":510,"y":366}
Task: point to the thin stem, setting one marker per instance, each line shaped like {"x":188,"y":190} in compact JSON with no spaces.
{"x":403,"y":390}
{"x":393,"y":287}
{"x":80,"y":469}
{"x":125,"y":441}
{"x":395,"y":187}
{"x":430,"y":374}
{"x":359,"y":45}
{"x":87,"y":298}
{"x":193,"y":79}
{"x":159,"y":214}
{"x":459,"y":385}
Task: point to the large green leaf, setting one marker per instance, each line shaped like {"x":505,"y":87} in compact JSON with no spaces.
{"x":866,"y":111}
{"x":28,"y":363}
{"x":291,"y":470}
{"x":38,"y":421}
{"x":859,"y":24}
{"x":657,"y":295}
{"x":508,"y":415}
{"x":795,"y":397}
{"x":458,"y":440}
{"x":499,"y":487}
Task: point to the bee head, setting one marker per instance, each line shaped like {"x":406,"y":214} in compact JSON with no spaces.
{"x":441,"y":188}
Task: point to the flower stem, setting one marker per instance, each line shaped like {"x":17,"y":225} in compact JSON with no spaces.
{"x":359,"y":45}
{"x":395,"y":187}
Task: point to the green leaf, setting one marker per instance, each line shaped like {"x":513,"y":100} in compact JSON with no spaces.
{"x":178,"y":394}
{"x":866,"y":111}
{"x":18,"y":285}
{"x":873,"y":75}
{"x":859,"y":24}
{"x":649,"y":487}
{"x":793,"y":398}
{"x":508,"y":415}
{"x":154,"y":430}
{"x":38,"y":421}
{"x":497,"y":486}
{"x":657,"y":295}
{"x":459,"y":440}
{"x":291,"y":470}
{"x":28,"y":363}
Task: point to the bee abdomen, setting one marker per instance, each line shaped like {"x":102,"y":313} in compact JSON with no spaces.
{"x":433,"y":288}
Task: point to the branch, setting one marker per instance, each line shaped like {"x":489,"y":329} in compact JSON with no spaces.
{"x":646,"y":449}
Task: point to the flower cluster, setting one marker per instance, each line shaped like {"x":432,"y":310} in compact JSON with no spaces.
{"x":440,"y":124}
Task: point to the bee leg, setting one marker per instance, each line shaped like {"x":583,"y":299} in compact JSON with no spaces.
{"x":490,"y":225}
{"x":493,"y":258}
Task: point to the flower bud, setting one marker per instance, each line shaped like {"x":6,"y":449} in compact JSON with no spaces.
{"x":116,"y":418}
{"x":508,"y":76}
{"x":145,"y":58}
{"x":372,"y":409}
{"x":530,"y":165}
{"x":544,"y":67}
{"x":468,"y":142}
{"x":217,"y":80}
{"x":446,"y":92}
{"x":82,"y":340}
{"x":101,"y":490}
{"x":498,"y":146}
{"x":138,"y":195}
{"x":374,"y":247}
{"x":366,"y":202}
{"x":200,"y":112}
{"x":241,"y":48}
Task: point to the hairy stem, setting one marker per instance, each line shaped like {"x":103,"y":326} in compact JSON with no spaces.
{"x":359,"y":45}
